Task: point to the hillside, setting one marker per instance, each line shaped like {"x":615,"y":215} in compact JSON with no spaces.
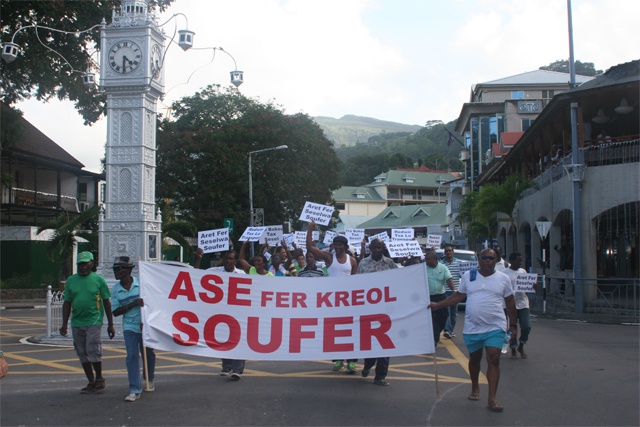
{"x":350,"y":130}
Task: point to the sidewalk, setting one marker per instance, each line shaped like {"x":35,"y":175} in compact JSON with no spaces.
{"x":23,"y":303}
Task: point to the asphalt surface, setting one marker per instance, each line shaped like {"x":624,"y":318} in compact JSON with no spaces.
{"x":577,"y":374}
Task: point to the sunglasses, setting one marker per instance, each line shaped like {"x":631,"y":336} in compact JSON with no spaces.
{"x":487,"y":257}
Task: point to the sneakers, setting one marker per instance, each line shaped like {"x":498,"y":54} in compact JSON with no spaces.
{"x":100,"y":385}
{"x":381,"y":382}
{"x":365,"y":373}
{"x":225,"y":373}
{"x":132,"y":397}
{"x":90,"y":388}
{"x":447,"y":334}
{"x":151,"y":387}
{"x":235,"y":376}
{"x":338,"y":365}
{"x":351,"y":368}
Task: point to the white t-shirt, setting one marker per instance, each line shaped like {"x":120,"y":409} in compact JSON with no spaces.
{"x":337,"y":269}
{"x":485,"y":296}
{"x":522,"y":300}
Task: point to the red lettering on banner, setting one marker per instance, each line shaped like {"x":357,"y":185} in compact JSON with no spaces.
{"x":206,"y":283}
{"x":357,"y":297}
{"x":374,"y":299}
{"x":210,"y":332}
{"x":234,"y":291}
{"x":265,"y":297}
{"x":323,"y":299}
{"x":177,"y":290}
{"x":253,"y":335}
{"x":282,"y":299}
{"x":296,"y":334}
{"x":299,"y":300}
{"x":331,"y":333}
{"x":387,"y":295}
{"x":367,"y":331}
{"x":190,"y":331}
{"x":342,"y":298}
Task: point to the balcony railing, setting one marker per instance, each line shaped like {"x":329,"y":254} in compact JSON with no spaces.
{"x":25,"y":197}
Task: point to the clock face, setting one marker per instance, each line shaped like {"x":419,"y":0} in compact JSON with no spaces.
{"x":156,"y":61}
{"x":125,"y":57}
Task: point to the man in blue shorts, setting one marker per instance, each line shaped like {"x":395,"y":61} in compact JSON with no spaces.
{"x":484,"y":322}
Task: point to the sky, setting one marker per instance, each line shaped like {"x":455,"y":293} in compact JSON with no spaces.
{"x":407,"y":61}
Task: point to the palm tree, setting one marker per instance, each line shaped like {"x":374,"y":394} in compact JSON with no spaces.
{"x":66,"y":231}
{"x":176,"y":229}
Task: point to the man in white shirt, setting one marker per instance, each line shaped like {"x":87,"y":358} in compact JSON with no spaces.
{"x":484,"y":323}
{"x":522,"y":305}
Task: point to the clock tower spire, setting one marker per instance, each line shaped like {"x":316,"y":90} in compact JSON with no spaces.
{"x":132,"y":76}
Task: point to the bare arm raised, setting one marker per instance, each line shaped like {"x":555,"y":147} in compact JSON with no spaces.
{"x":325,"y":256}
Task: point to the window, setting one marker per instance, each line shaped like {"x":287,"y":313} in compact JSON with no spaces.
{"x":526,"y":124}
{"x":517,"y":94}
{"x":547,"y":94}
{"x":340,"y":206}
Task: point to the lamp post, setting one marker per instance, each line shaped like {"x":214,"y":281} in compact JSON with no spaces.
{"x":279,"y":147}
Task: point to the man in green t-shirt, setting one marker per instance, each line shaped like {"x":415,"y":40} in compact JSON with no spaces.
{"x":87,"y":295}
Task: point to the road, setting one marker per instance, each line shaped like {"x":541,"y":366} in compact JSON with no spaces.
{"x":577,"y":374}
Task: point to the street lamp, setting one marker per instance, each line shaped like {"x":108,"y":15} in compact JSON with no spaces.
{"x":279,"y":147}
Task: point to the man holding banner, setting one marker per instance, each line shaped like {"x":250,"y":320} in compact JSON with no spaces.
{"x":376,"y":262}
{"x":522,"y":304}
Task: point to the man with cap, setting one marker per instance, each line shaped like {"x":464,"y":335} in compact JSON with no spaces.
{"x":127,"y":303}
{"x":87,"y":295}
{"x":339,"y":263}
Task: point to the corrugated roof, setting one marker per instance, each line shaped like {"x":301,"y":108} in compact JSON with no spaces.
{"x":420,"y":179}
{"x":537,"y":77}
{"x":38,"y":145}
{"x":408,"y":216}
{"x":350,"y":194}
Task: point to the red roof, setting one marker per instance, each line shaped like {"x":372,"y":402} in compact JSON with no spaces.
{"x":509,"y":139}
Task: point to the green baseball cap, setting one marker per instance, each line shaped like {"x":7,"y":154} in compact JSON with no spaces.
{"x":84,"y":257}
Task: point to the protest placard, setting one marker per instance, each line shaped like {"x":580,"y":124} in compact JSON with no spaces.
{"x":355,"y":236}
{"x":414,"y":248}
{"x":382,"y":236}
{"x":434,"y":241}
{"x":252,"y":317}
{"x":272,"y":235}
{"x":213,"y":240}
{"x":321,"y":214}
{"x":328,"y":237}
{"x":465,"y":266}
{"x":398,"y":249}
{"x":402,"y":234}
{"x":525,"y":282}
{"x":290,"y":239}
{"x":252,"y":234}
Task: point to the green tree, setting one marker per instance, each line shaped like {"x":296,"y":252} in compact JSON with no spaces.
{"x":479,"y":209}
{"x":203,"y":153}
{"x":176,"y":229}
{"x":582,"y":68}
{"x":51,"y":63}
{"x":67,"y":229}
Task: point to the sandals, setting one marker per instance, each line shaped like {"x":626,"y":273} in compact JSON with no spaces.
{"x":475,"y":395}
{"x":496,"y":407}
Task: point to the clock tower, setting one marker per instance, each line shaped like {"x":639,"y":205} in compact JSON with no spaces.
{"x":132,"y":76}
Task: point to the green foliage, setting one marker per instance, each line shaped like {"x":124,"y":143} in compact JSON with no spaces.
{"x":393,"y":150}
{"x":478,"y":210}
{"x":12,"y":129}
{"x":582,"y":68}
{"x":66,"y":231}
{"x":203,"y":160}
{"x":176,"y":229}
{"x":51,"y":63}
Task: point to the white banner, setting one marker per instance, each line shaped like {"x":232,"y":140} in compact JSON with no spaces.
{"x":328,"y":237}
{"x":434,"y":241}
{"x":253,"y":317}
{"x":252,"y":234}
{"x":272,"y":235}
{"x":382,"y":236}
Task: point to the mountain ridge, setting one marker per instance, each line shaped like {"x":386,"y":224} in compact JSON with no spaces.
{"x":351,"y":129}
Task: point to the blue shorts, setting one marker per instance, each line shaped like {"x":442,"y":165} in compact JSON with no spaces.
{"x":475,"y":342}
